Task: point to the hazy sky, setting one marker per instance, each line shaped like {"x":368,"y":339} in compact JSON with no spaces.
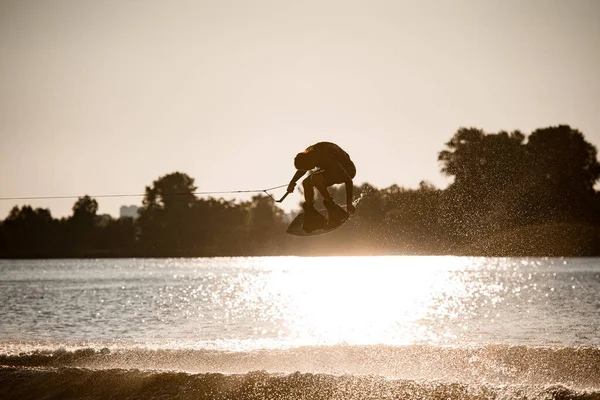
{"x":105,"y":96}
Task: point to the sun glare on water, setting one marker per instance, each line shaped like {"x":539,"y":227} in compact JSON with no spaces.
{"x":333,"y":300}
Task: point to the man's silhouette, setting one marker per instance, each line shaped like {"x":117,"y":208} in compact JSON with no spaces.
{"x":333,"y":166}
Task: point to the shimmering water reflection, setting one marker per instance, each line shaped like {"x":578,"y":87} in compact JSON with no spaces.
{"x":274,"y":302}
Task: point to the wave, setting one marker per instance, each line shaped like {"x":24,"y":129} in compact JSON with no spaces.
{"x":77,"y":383}
{"x":319,"y":372}
{"x":496,"y":364}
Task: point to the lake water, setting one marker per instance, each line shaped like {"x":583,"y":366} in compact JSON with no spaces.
{"x":293,"y":327}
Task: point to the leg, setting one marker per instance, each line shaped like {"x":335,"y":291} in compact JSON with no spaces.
{"x":335,"y":213}
{"x":312,"y":218}
{"x":318,"y":181}
{"x":309,"y":193}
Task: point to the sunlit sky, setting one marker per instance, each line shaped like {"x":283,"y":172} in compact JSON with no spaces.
{"x":103,"y":97}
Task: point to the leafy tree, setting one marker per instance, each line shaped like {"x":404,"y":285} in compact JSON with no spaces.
{"x":483,"y":163}
{"x":164,"y":220}
{"x":562,"y":170}
{"x":565,"y":158}
{"x":172,"y":191}
{"x":28,"y":232}
{"x":488,"y":171}
{"x":85,"y":210}
{"x":80,"y":227}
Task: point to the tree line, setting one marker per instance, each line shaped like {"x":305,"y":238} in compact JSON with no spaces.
{"x":511,"y":194}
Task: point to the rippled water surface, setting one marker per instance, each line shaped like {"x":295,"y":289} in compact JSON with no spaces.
{"x":285,"y":302}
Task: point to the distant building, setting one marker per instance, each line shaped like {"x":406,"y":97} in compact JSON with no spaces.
{"x":129,"y":211}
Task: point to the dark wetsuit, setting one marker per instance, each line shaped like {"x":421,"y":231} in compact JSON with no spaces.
{"x":332,"y":161}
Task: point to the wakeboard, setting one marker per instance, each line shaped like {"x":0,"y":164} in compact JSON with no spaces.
{"x":295,"y":227}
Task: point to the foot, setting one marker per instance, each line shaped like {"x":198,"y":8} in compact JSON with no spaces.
{"x":335,"y":213}
{"x":313,"y":219}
